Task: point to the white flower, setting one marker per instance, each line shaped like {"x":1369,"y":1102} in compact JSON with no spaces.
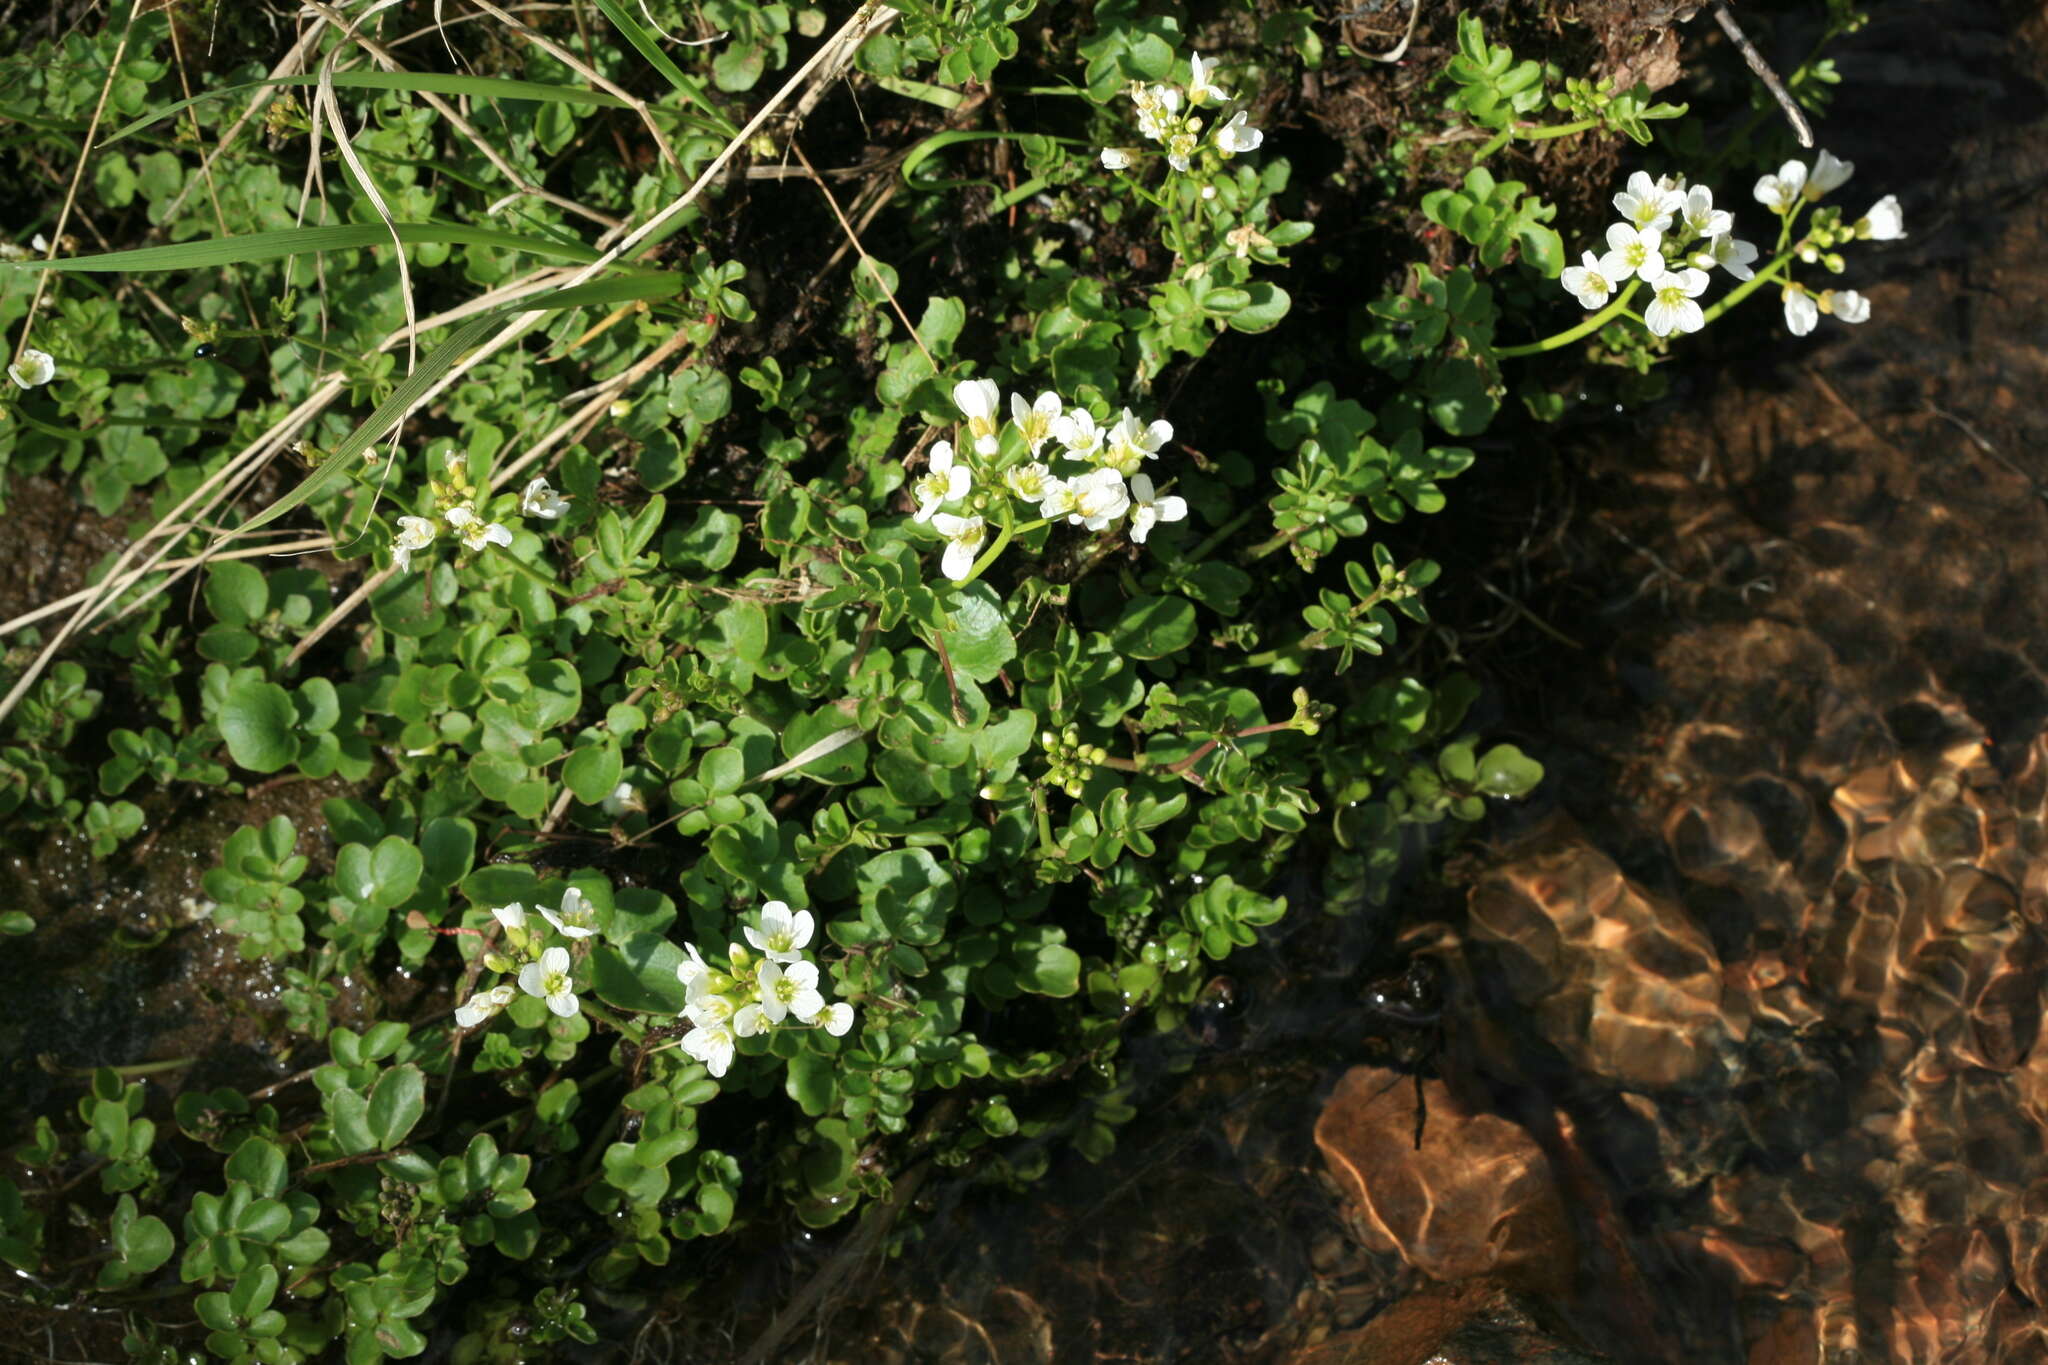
{"x":1238,"y":136}
{"x":837,"y":1018}
{"x":712,"y":1046}
{"x":1130,"y":444}
{"x":787,"y":989}
{"x":474,"y":530}
{"x":549,"y":979}
{"x":1780,"y":192}
{"x":1034,"y":422}
{"x":576,"y":918}
{"x":941,"y":483}
{"x":783,"y":932}
{"x":1647,"y":203}
{"x":1078,"y":433}
{"x":1028,"y":482}
{"x":964,"y":537}
{"x":1828,"y":174}
{"x":539,"y":500}
{"x":624,"y":798}
{"x":1700,"y":215}
{"x":1884,"y":222}
{"x":1729,"y":253}
{"x":694,"y":972}
{"x":1634,"y":251}
{"x":33,"y":369}
{"x":1673,"y":310}
{"x":977,"y":400}
{"x":512,"y":916}
{"x":1119,"y":158}
{"x":1848,"y":305}
{"x":1200,"y":87}
{"x":414,"y":533}
{"x":1057,"y":500}
{"x":1147,"y":510}
{"x":708,"y":1010}
{"x":483,"y":1006}
{"x":1157,"y":107}
{"x":1589,"y":283}
{"x":1099,"y":498}
{"x":750,"y":1020}
{"x":1181,"y":149}
{"x":1801,"y":312}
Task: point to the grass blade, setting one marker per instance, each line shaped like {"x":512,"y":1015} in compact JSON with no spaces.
{"x":644,"y":43}
{"x":430,"y":82}
{"x":438,"y":362}
{"x":337,"y":464}
{"x":270,"y":246}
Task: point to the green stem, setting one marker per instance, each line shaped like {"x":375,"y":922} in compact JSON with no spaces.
{"x":1571,"y":334}
{"x":1556,"y":130}
{"x":1749,"y":286}
{"x":988,"y":556}
{"x":529,"y":571}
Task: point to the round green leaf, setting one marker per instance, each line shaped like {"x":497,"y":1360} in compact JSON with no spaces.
{"x":396,"y":1103}
{"x":978,"y":640}
{"x":258,"y":721}
{"x":593,"y":771}
{"x":1507,"y":771}
{"x":907,"y":895}
{"x":638,"y":974}
{"x":1154,"y":627}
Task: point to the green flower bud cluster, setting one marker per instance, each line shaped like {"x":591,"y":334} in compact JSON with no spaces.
{"x":1069,"y":762}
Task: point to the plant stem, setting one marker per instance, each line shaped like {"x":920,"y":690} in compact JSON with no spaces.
{"x":1571,"y":334}
{"x":1749,"y":286}
{"x":988,"y":556}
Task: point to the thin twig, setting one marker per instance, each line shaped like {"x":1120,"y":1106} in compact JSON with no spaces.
{"x":1726,"y":18}
{"x":874,"y":266}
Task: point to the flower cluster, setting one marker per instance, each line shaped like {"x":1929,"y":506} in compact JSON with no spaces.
{"x":545,"y":970}
{"x":768,"y":986}
{"x":1103,"y":485}
{"x":456,"y":501}
{"x":1669,"y":237}
{"x":1790,"y":191}
{"x":1161,"y":118}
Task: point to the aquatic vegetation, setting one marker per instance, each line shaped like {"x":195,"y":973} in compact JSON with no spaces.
{"x":921,"y":634}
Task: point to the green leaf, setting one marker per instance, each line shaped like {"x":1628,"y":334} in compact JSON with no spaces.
{"x":1268,"y":304}
{"x":258,"y":721}
{"x":644,"y":43}
{"x":638,"y":974}
{"x":236,"y":593}
{"x":260,"y":1164}
{"x":905,"y":893}
{"x":1155,"y":627}
{"x":977,"y":636}
{"x":396,"y":1103}
{"x":1505,"y":770}
{"x":593,"y":771}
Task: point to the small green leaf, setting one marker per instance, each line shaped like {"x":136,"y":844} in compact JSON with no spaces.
{"x":1155,"y":627}
{"x":593,"y":771}
{"x":638,"y":974}
{"x":258,"y":720}
{"x":396,"y":1103}
{"x":1505,"y":770}
{"x":977,"y":636}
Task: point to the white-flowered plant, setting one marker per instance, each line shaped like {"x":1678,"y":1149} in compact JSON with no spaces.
{"x":484,"y":1006}
{"x":549,"y":978}
{"x":945,"y":480}
{"x":1056,"y":462}
{"x":473,"y":530}
{"x":1168,"y":116}
{"x":577,"y":918}
{"x":979,"y":401}
{"x":1672,"y":237}
{"x":539,"y":500}
{"x":774,"y":984}
{"x":414,"y":533}
{"x":34,"y":369}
